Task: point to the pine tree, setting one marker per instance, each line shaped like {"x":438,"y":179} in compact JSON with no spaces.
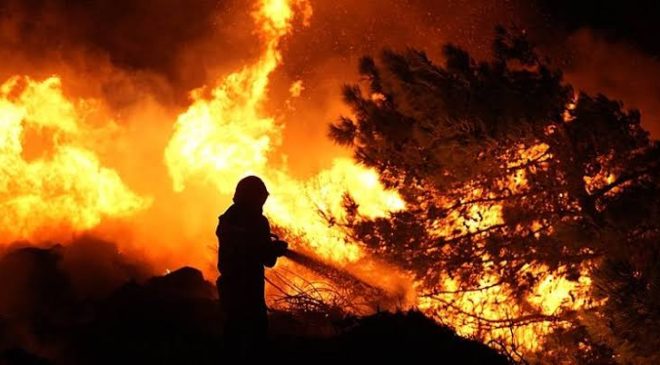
{"x":509,"y":174}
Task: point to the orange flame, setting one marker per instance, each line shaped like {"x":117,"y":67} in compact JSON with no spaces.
{"x":224,"y":135}
{"x":66,"y":188}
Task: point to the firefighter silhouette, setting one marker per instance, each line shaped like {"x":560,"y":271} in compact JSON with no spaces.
{"x":245,"y":247}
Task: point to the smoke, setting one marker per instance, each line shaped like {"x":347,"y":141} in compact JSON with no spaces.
{"x":617,"y":69}
{"x":148,"y":55}
{"x":605,"y":47}
{"x":137,"y":61}
{"x":131,"y":64}
{"x":165,"y":48}
{"x":324,"y":57}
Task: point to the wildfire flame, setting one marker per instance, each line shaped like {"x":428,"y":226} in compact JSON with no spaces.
{"x":226,"y":136}
{"x":64,"y":187}
{"x":53,"y":182}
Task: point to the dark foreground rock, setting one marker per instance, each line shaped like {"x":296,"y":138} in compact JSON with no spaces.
{"x":174,"y":319}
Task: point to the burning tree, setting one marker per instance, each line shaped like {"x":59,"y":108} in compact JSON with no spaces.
{"x":529,"y":206}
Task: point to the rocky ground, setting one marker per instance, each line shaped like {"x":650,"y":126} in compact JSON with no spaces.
{"x":48,"y":316}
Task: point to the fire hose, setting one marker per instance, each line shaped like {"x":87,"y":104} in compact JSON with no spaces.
{"x":340,"y":276}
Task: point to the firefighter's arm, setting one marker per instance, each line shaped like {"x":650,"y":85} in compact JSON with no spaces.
{"x":273,"y":248}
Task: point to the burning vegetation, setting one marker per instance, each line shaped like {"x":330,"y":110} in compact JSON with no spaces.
{"x":492,"y":196}
{"x":519,"y":195}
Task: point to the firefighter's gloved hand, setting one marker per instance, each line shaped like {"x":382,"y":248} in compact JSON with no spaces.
{"x":281,"y":247}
